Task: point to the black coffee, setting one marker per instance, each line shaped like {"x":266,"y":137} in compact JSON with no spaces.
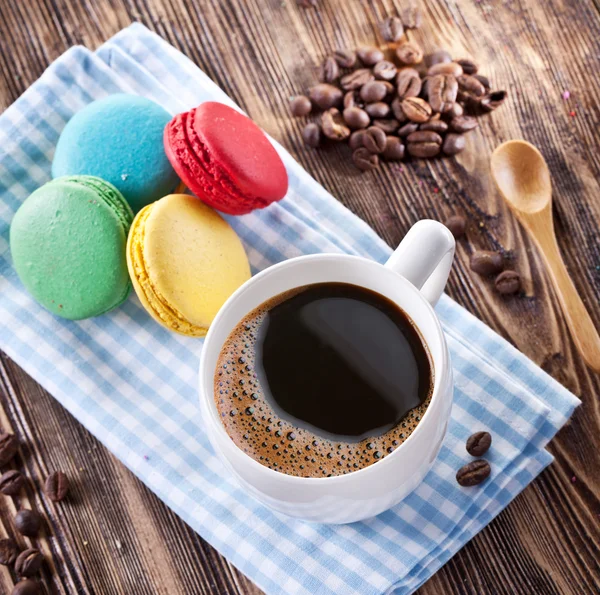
{"x":323,"y":380}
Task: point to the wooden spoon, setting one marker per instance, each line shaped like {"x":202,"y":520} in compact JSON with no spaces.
{"x":523,"y":178}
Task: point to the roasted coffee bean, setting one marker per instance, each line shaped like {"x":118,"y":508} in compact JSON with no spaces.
{"x":27,"y":587}
{"x":437,"y":57}
{"x":325,"y":95}
{"x":365,"y":160}
{"x":345,"y":58}
{"x":486,"y":262}
{"x":441,"y":91}
{"x":457,"y":110}
{"x":416,"y":109}
{"x":356,"y":79}
{"x":391,"y":29}
{"x":492,"y":101}
{"x":389,"y":88}
{"x":388,"y":125}
{"x":356,"y":118}
{"x":484,"y":80}
{"x":468,"y":66}
{"x":412,"y":17}
{"x":424,"y":143}
{"x":9,"y":444}
{"x":470,"y":84}
{"x":385,"y":70}
{"x":373,"y":91}
{"x":11,"y":483}
{"x":57,"y":486}
{"x":379,"y":109}
{"x":29,"y":562}
{"x":508,"y":282}
{"x":300,"y":106}
{"x":333,"y":125}
{"x":409,"y":53}
{"x":438,"y":126}
{"x":374,"y":139}
{"x":398,"y":110}
{"x":408,"y":83}
{"x":457,"y":225}
{"x":479,"y":443}
{"x":356,"y":139}
{"x":445,"y":68}
{"x":28,"y":522}
{"x":473,"y":473}
{"x":311,"y":135}
{"x":407,"y":129}
{"x":329,"y":71}
{"x":394,"y":149}
{"x":453,"y":144}
{"x":8,"y":551}
{"x":370,"y":55}
{"x":352,"y":99}
{"x":463,"y":124}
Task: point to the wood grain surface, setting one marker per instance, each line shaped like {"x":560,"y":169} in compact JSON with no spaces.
{"x":114,"y":536}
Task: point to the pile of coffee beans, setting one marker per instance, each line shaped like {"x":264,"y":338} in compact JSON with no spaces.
{"x":477,"y":471}
{"x":395,"y":102}
{"x":29,"y":523}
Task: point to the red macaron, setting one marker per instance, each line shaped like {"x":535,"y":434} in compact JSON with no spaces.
{"x":225,"y":159}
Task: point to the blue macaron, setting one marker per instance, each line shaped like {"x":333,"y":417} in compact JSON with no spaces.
{"x":119,"y":139}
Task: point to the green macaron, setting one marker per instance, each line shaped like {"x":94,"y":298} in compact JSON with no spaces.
{"x":68,"y":243}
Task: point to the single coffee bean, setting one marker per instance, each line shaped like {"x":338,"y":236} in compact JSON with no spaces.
{"x":424,"y":143}
{"x":29,"y":562}
{"x":8,"y":551}
{"x":453,"y":144}
{"x":28,"y":522}
{"x":468,"y":66}
{"x":456,"y":110}
{"x":391,"y":29}
{"x":438,"y":126}
{"x":311,"y":135}
{"x":379,"y":109}
{"x":457,"y":225}
{"x":479,"y":443}
{"x":27,"y":587}
{"x":492,"y":100}
{"x":486,"y":262}
{"x":484,"y":80}
{"x":333,"y":125}
{"x":441,"y":91}
{"x":352,"y":99}
{"x":409,"y":53}
{"x":11,"y":483}
{"x":407,"y":129}
{"x":385,"y":70}
{"x":370,"y":55}
{"x":57,"y":486}
{"x":300,"y":106}
{"x":470,"y":84}
{"x":373,"y":91}
{"x":356,"y":139}
{"x":437,"y":57}
{"x":394,"y":149}
{"x":365,"y":160}
{"x":412,"y":17}
{"x":325,"y":95}
{"x":388,"y":125}
{"x":356,"y":79}
{"x":329,"y":71}
{"x":356,"y":118}
{"x":9,"y":444}
{"x":374,"y":139}
{"x":398,"y":110}
{"x":416,"y":109}
{"x":463,"y":123}
{"x":508,"y":282}
{"x":345,"y":58}
{"x":473,"y":473}
{"x":445,"y":68}
{"x":408,"y":83}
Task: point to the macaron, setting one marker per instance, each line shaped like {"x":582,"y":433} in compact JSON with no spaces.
{"x":225,"y":159}
{"x":119,"y":139}
{"x":184,"y":261}
{"x":68,"y":241}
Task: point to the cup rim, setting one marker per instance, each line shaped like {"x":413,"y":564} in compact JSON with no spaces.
{"x":259,"y":278}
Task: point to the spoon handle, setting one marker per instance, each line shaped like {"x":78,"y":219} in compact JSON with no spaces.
{"x":580,"y":324}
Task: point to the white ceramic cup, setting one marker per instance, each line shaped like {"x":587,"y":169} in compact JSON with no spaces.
{"x":414,"y":278}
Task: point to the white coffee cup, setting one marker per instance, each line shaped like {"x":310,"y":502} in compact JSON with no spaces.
{"x":414,"y":278}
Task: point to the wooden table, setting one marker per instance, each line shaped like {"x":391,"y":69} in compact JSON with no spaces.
{"x":115,"y":536}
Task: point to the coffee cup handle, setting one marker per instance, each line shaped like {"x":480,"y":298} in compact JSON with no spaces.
{"x":424,"y":257}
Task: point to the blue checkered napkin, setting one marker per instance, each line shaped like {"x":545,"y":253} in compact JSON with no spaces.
{"x":133,"y":384}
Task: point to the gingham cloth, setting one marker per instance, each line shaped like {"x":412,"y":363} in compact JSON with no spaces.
{"x":134,"y":384}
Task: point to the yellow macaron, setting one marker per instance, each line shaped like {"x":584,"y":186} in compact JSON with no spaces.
{"x":184,"y":261}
